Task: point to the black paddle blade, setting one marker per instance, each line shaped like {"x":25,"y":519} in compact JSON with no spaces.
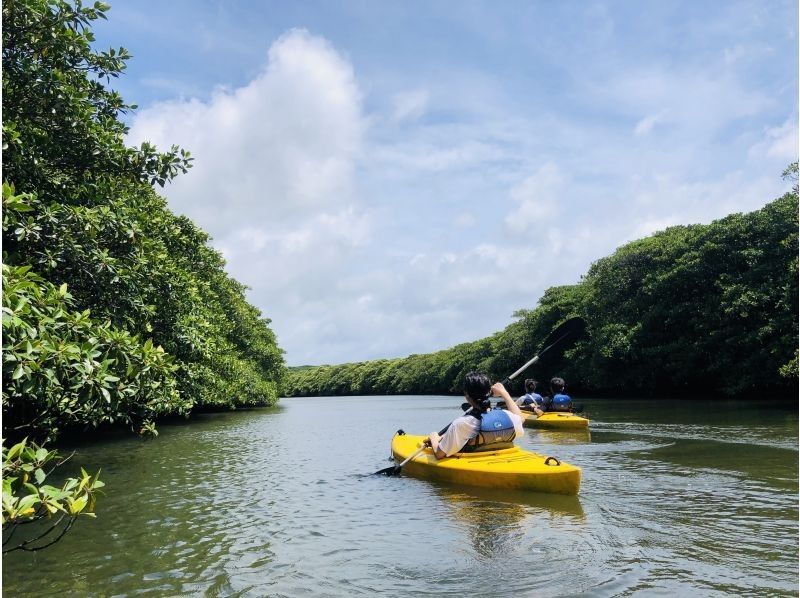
{"x":389,"y":471}
{"x":568,"y":330}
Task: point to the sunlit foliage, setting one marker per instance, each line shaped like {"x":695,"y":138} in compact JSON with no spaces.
{"x":36,"y":514}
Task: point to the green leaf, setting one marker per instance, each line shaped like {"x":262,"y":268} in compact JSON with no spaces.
{"x":15,"y":450}
{"x":78,"y":505}
{"x":39,"y":475}
{"x":26,"y":502}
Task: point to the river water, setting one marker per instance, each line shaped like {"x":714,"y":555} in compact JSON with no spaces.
{"x":678,"y":498}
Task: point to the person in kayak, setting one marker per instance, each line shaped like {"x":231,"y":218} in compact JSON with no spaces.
{"x":558,"y":399}
{"x":532,"y":400}
{"x":481,"y":426}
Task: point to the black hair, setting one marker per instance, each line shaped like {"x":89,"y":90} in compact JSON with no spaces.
{"x":557,"y":384}
{"x":477,"y":387}
{"x":530,"y":384}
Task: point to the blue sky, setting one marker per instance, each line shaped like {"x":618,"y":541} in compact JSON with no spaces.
{"x":398,"y":177}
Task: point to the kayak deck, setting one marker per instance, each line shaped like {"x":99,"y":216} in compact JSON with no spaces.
{"x":554,"y":420}
{"x":511,"y":468}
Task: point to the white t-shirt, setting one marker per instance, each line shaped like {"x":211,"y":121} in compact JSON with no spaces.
{"x":465,"y":428}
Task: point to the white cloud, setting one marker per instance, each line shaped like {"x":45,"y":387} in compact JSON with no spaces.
{"x":273,"y":178}
{"x":665,"y":200}
{"x":778,"y":142}
{"x":465,"y":220}
{"x":410,"y":105}
{"x":644,"y":126}
{"x":281,"y":145}
{"x":694,"y":100}
{"x":538,"y":197}
{"x":437,"y":154}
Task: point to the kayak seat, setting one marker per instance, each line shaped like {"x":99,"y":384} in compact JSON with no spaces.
{"x":495,"y":446}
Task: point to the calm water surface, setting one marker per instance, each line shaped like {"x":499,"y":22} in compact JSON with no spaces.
{"x":677,"y":498}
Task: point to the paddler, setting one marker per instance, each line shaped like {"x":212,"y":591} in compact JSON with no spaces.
{"x":532,"y":400}
{"x":481,"y":428}
{"x":558,"y":399}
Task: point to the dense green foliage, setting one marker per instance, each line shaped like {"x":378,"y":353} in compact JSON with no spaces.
{"x":114,"y":308}
{"x":692,"y":310}
{"x":66,"y":369}
{"x":27,"y":499}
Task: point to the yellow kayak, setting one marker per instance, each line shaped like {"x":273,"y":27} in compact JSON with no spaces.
{"x":510,"y":468}
{"x":554,"y":420}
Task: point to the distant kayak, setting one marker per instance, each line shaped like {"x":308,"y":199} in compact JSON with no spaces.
{"x":554,"y":420}
{"x":511,"y":468}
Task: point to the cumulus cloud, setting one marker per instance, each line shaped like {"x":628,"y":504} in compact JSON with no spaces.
{"x":284,"y":144}
{"x":273,"y":175}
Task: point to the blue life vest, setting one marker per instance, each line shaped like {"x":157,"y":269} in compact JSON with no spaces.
{"x":561,"y":402}
{"x":496,"y":429}
{"x":532,"y":397}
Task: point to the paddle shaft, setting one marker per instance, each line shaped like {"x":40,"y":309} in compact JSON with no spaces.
{"x":422,"y":448}
{"x":536,"y":357}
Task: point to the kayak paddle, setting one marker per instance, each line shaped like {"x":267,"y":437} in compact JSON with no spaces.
{"x":395,"y":469}
{"x":570,"y":328}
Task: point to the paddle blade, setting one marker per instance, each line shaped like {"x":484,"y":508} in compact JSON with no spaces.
{"x":568,"y":330}
{"x":394,"y":470}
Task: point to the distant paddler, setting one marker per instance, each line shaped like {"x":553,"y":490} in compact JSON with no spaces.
{"x":558,"y":401}
{"x":531,"y":400}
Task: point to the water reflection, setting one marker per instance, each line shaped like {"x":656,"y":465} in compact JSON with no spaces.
{"x":541,"y":504}
{"x":576,"y":436}
{"x":496,"y":520}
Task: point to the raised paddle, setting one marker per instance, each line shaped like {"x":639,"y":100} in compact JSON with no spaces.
{"x":570,"y":328}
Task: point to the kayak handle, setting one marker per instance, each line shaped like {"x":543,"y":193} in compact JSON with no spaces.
{"x":547,"y":461}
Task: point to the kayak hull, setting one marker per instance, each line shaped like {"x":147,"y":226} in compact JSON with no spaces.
{"x":554,"y":420}
{"x":511,"y":468}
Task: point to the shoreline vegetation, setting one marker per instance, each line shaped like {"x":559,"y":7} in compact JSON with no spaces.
{"x":116,"y":312}
{"x":694,"y":311}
